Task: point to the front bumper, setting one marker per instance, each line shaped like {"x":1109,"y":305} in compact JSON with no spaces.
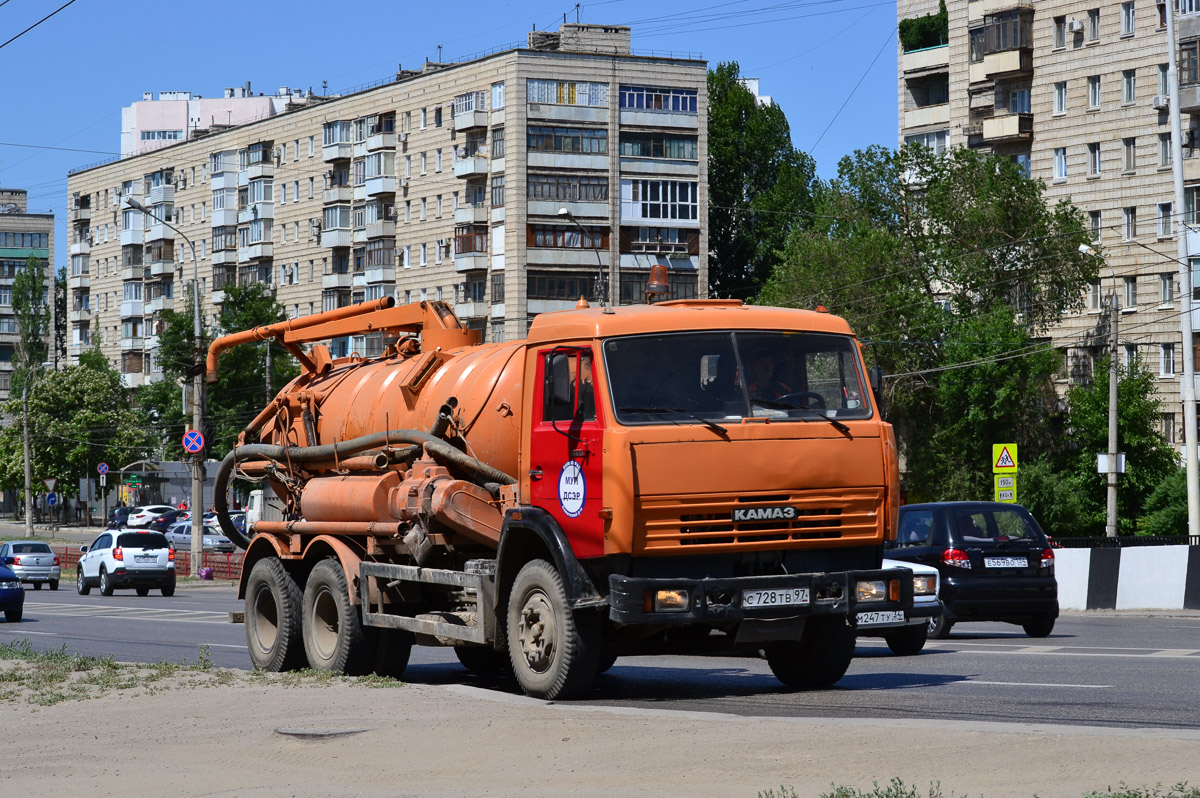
{"x":918,"y":615}
{"x":718,"y":601}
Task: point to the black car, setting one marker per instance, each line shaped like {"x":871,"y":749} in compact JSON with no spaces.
{"x":117,"y":517}
{"x":995,"y":562}
{"x":164,"y":521}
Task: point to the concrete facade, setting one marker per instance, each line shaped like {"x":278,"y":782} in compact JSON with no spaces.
{"x":1075,"y":93}
{"x":22,"y":234}
{"x":449,"y":182}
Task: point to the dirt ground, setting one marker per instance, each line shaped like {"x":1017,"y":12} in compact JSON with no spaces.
{"x":411,"y":740}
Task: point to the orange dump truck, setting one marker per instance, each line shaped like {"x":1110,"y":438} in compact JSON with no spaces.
{"x":653,"y":478}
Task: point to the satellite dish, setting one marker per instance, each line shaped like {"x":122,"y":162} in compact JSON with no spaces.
{"x":8,"y":207}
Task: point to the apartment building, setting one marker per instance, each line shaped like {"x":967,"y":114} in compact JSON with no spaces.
{"x":1076,"y":94}
{"x":22,"y":234}
{"x":508,"y":185}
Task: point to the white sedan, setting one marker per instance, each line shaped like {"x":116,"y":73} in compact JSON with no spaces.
{"x":905,"y":633}
{"x":180,"y":536}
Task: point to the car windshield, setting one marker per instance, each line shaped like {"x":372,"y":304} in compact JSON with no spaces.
{"x":698,"y":377}
{"x":142,"y":540}
{"x":995,"y":525}
{"x":31,"y":548}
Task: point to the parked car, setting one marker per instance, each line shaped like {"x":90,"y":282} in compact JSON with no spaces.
{"x":12,"y":595}
{"x":237,"y":516}
{"x":117,"y":517}
{"x":127,"y":558}
{"x":32,"y":561}
{"x":164,"y":521}
{"x":142,"y":516}
{"x":905,"y":632}
{"x":180,"y":536}
{"x":996,"y":563}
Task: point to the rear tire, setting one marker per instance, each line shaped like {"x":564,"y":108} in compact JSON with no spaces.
{"x":1039,"y":627}
{"x":908,"y":640}
{"x":554,"y":650}
{"x":81,"y":585}
{"x":272,"y":617}
{"x":939,"y":627}
{"x":14,"y":616}
{"x":168,"y":587}
{"x":106,"y":588}
{"x":143,"y":590}
{"x":334,"y":637}
{"x":818,"y":659}
{"x":483,"y":660}
{"x":37,"y":585}
{"x":393,"y":647}
{"x":54,"y":584}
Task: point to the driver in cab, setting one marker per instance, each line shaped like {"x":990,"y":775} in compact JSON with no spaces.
{"x":762,"y":382}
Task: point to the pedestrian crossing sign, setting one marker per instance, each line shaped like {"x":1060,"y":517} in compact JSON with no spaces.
{"x":1004,"y":458}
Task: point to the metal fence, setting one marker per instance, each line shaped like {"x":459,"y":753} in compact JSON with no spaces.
{"x":1126,"y":541}
{"x":224,"y":566}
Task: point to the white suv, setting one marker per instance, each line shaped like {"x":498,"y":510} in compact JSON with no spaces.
{"x":141,"y":516}
{"x":126,"y":558}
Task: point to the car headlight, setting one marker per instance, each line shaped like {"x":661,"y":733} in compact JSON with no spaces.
{"x":11,"y":585}
{"x":924,"y":585}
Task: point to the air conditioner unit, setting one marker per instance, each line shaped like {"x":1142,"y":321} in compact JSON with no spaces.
{"x":1161,"y":102}
{"x":401,"y":137}
{"x":1074,"y":26}
{"x":402,"y":182}
{"x":441,"y":242}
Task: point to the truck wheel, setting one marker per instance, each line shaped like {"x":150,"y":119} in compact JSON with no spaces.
{"x":818,"y":659}
{"x":273,"y":617}
{"x":392,"y":650}
{"x":483,"y":660}
{"x":334,"y":638}
{"x":907,"y":640}
{"x":554,"y":651}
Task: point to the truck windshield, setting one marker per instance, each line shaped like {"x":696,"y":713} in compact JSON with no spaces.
{"x":691,"y":378}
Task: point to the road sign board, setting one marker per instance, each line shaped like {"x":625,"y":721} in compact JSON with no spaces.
{"x":1006,"y":487}
{"x":193,"y":441}
{"x":51,"y":499}
{"x":133,"y":479}
{"x":102,"y":468}
{"x":50,"y":484}
{"x":103,"y":480}
{"x":1004,"y":458}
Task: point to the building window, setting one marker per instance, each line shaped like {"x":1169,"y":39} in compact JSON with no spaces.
{"x":1189,"y":75}
{"x":1129,"y":223}
{"x":1094,"y":159}
{"x":437,"y":116}
{"x":1167,"y":426}
{"x":685,"y":148}
{"x":1130,"y":356}
{"x":1127,"y":18}
{"x":1093,"y":295}
{"x":1093,"y":24}
{"x":680,"y":101}
{"x":1164,"y":149}
{"x":936,"y":140}
{"x":1131,"y":296}
{"x":1129,"y":159}
{"x":423,"y":118}
{"x":561,"y":236}
{"x":497,"y":287}
{"x":1189,"y":203}
{"x":567,"y":92}
{"x":568,"y":139}
{"x":1094,"y":91}
{"x":1018,"y":103}
{"x":560,"y":286}
{"x":1129,"y":86}
{"x":1060,"y":163}
{"x":1163,"y":89}
{"x":567,"y":188}
{"x":659,"y":199}
{"x":1096,"y":227}
{"x":1060,"y":32}
{"x":1021,"y":159}
{"x":437,"y":160}
{"x":498,"y":191}
{"x":1060,"y":97}
{"x":497,"y":143}
{"x":311,"y":187}
{"x":424,"y":255}
{"x":1164,"y":219}
{"x":1166,"y":360}
{"x":497,"y":96}
{"x":1166,"y":288}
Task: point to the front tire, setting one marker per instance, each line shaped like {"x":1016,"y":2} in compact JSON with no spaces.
{"x":272,"y":617}
{"x":14,"y":616}
{"x":81,"y":585}
{"x":818,"y":659}
{"x":482,"y":660}
{"x":554,"y":651}
{"x":334,"y":637}
{"x":908,"y":640}
{"x":939,"y":627}
{"x":393,"y":647}
{"x":1039,"y":627}
{"x":106,"y":587}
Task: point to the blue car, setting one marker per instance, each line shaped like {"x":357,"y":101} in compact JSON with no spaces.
{"x":12,"y":595}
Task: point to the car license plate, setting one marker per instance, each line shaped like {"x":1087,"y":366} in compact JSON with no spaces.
{"x":146,"y":558}
{"x":880,"y":618}
{"x":1005,"y":562}
{"x":786,"y":597}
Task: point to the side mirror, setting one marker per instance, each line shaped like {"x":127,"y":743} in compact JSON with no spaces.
{"x":875,"y":377}
{"x":83,"y":548}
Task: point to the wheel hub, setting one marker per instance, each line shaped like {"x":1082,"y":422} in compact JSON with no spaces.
{"x":537,"y":632}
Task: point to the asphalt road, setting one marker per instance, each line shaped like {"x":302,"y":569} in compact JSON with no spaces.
{"x":1102,"y":670}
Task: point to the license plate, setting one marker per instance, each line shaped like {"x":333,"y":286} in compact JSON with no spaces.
{"x":146,"y":558}
{"x":787,"y":597}
{"x":1005,"y":562}
{"x":880,"y":618}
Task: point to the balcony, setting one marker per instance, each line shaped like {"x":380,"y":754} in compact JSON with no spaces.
{"x":81,"y":215}
{"x":223,"y":257}
{"x":471,"y":214}
{"x":929,"y":59}
{"x":929,"y":115}
{"x":337,"y":152}
{"x":256,"y":171}
{"x":337,"y":195}
{"x":226,"y":217}
{"x":159,"y":304}
{"x":336,"y":280}
{"x":82,"y":248}
{"x":580,"y":210}
{"x":569,"y":160}
{"x":470,"y":119}
{"x":133,"y":344}
{"x":157,"y":231}
{"x":258,"y":251}
{"x":471,"y":310}
{"x":78,"y":282}
{"x":1189,"y":99}
{"x":978,"y":9}
{"x":132,"y":237}
{"x":224,"y":180}
{"x":360,"y":236}
{"x":470,"y":261}
{"x":159,"y":268}
{"x":132,"y":273}
{"x":218,"y":297}
{"x":471,"y":166}
{"x":160,"y":194}
{"x":381,"y":141}
{"x":256,"y":210}
{"x":644,"y":118}
{"x":1008,"y":127}
{"x":81,"y":315}
{"x":1006,"y":64}
{"x":384,"y":229}
{"x":382,"y":185}
{"x":380,"y":274}
{"x":574,"y":113}
{"x":335,"y":238}
{"x":131,"y":308}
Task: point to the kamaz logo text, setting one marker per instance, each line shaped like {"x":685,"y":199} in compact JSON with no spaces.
{"x":776,"y":513}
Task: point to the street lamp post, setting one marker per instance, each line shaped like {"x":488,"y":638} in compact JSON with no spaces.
{"x":602,"y":278}
{"x":197,"y":505}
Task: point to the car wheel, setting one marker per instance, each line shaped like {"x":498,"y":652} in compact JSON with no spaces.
{"x":1039,"y":627}
{"x":272,"y":617}
{"x":106,"y":588}
{"x":907,"y":640}
{"x":818,"y":659}
{"x":142,"y":590}
{"x":168,"y":587}
{"x":334,"y":637}
{"x":81,"y":585}
{"x":554,"y":650}
{"x":54,"y":584}
{"x":14,"y":616}
{"x":37,"y":585}
{"x":939,"y":627}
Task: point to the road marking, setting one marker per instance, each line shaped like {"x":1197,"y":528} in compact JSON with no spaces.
{"x":1031,"y":684}
{"x":223,"y":645}
{"x":1058,"y":651}
{"x":23,"y":632}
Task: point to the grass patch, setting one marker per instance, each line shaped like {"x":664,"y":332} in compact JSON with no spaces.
{"x":46,"y":678}
{"x":898,"y":789}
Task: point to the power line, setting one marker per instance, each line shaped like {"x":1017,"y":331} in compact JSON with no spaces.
{"x":34,"y":25}
{"x":59,"y":149}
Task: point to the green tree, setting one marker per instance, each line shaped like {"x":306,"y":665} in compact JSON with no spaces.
{"x":758,"y":185}
{"x":60,"y":316}
{"x":950,"y":267}
{"x":1149,"y":459}
{"x":1166,"y":511}
{"x":33,"y":319}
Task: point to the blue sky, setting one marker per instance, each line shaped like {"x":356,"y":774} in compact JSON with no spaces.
{"x":67,"y":79}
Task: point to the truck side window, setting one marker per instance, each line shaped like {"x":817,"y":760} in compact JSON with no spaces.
{"x":914,"y":528}
{"x":568,"y":393}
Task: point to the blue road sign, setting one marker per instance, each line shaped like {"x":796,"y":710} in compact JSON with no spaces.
{"x":102,"y":468}
{"x":193,"y":441}
{"x":51,"y":499}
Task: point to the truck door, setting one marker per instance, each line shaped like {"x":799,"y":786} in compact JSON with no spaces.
{"x":566,"y":445}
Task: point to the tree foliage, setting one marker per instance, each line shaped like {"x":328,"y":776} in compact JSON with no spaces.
{"x":60,"y":317}
{"x":951,"y":267}
{"x":33,"y":319}
{"x":1166,"y":512}
{"x":917,"y":33}
{"x":758,"y":185}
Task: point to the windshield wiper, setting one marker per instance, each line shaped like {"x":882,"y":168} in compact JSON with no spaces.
{"x":712,"y":425}
{"x":774,"y":405}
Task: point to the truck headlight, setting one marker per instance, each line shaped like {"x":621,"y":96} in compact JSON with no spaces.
{"x":874,"y":590}
{"x":671,"y":600}
{"x":924,"y":585}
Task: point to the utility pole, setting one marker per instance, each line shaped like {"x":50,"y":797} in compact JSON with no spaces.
{"x":28,"y":460}
{"x":1111,"y":526}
